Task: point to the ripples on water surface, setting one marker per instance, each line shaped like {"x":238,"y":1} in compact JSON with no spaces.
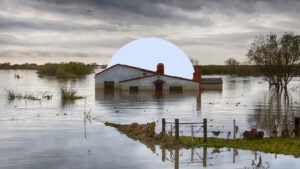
{"x":45,"y":134}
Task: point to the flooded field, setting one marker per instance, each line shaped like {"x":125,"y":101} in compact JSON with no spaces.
{"x":43,"y":133}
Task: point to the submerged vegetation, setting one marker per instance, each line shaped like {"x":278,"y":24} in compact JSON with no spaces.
{"x":69,"y":96}
{"x":12,"y":95}
{"x":65,"y":70}
{"x":145,"y":133}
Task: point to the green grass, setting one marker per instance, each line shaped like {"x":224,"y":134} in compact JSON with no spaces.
{"x":69,"y":96}
{"x":141,"y":132}
{"x":278,"y":145}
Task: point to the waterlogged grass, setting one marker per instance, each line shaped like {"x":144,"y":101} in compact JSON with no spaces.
{"x":278,"y":145}
{"x":12,"y":95}
{"x":69,"y":96}
{"x":145,"y":133}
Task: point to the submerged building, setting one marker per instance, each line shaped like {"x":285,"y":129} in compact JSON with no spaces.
{"x":134,"y":79}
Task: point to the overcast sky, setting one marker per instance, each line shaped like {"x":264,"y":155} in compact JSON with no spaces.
{"x":93,"y":30}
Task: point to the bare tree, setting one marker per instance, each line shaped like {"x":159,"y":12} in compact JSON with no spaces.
{"x":232,"y":63}
{"x":279,"y":59}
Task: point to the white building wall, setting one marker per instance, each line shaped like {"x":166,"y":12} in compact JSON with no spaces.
{"x":117,"y":74}
{"x":147,"y":83}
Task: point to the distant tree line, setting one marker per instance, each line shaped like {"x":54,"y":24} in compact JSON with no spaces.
{"x":59,"y":70}
{"x":65,"y":70}
{"x":238,"y":70}
{"x":76,"y":69}
{"x":27,"y":66}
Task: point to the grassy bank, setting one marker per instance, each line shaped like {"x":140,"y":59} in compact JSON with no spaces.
{"x":145,"y":133}
{"x":278,"y":145}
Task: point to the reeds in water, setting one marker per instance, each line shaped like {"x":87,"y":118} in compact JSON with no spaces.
{"x":12,"y":95}
{"x":69,"y":96}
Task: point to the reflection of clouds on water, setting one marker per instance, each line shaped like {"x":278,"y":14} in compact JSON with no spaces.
{"x":146,"y":106}
{"x":222,"y":158}
{"x":32,"y":129}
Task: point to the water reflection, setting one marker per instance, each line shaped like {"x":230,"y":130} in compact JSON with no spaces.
{"x":31,"y":128}
{"x":223,"y":158}
{"x":146,"y":99}
{"x":277,"y":116}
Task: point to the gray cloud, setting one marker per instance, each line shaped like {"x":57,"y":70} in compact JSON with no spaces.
{"x":106,"y":25}
{"x":8,"y":24}
{"x":158,"y":8}
{"x":132,"y":11}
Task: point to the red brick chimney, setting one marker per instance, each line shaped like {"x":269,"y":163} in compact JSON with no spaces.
{"x":160,"y":69}
{"x":197,"y":75}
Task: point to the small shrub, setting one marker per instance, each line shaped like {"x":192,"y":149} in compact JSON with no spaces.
{"x":253,"y":134}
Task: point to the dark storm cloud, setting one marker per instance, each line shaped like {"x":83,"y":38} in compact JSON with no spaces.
{"x":161,"y":12}
{"x":167,"y":8}
{"x":10,"y":23}
{"x":107,"y":25}
{"x":124,"y":13}
{"x":133,"y":11}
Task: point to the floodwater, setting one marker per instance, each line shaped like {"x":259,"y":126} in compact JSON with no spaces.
{"x":45,"y":134}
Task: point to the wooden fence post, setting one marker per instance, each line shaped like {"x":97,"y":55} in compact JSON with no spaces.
{"x":163,"y":125}
{"x":177,"y":129}
{"x":234,"y":129}
{"x":204,"y":156}
{"x":163,"y":154}
{"x":297,"y":126}
{"x":176,"y":160}
{"x":192,"y":133}
{"x":205,"y":130}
